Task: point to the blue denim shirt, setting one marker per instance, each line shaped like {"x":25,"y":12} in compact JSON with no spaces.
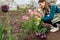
{"x":54,"y":9}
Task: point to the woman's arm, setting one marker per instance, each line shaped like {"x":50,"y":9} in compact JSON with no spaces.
{"x":52,"y":13}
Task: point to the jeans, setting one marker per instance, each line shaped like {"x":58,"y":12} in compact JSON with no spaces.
{"x":54,"y":25}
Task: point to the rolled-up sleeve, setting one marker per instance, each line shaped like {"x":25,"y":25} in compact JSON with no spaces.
{"x":57,"y":9}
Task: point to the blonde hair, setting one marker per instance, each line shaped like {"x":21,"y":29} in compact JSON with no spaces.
{"x":47,"y":7}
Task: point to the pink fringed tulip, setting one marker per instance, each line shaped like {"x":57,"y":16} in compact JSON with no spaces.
{"x":25,"y":17}
{"x":35,"y":12}
{"x":31,"y":13}
{"x":36,"y":17}
{"x":40,"y":15}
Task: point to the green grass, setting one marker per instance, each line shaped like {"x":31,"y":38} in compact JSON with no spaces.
{"x":8,"y":28}
{"x":1,"y":29}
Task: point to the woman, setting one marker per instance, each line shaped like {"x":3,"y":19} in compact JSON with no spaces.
{"x":49,"y":11}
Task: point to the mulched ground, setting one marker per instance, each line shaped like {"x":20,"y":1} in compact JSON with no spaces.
{"x":16,"y":27}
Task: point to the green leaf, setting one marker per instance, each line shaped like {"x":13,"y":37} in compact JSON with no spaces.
{"x":1,"y":30}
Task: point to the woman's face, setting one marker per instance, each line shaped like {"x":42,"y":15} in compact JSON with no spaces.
{"x":42,"y":5}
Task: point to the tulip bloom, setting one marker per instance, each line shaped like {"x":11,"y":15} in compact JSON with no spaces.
{"x":39,"y":14}
{"x":36,"y":17}
{"x":31,"y":13}
{"x":5,"y":8}
{"x":25,"y":17}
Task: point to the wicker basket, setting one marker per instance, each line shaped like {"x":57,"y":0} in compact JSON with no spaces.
{"x":56,"y":18}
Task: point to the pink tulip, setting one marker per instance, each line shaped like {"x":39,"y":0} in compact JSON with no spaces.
{"x":25,"y":17}
{"x":36,"y":17}
{"x":35,"y":12}
{"x":39,"y":14}
{"x":31,"y":13}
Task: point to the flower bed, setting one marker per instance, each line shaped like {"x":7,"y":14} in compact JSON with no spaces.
{"x":32,"y":23}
